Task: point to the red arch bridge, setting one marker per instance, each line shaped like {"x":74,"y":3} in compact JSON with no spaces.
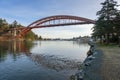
{"x":53,"y":21}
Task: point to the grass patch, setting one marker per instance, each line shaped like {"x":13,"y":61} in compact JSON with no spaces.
{"x":101,"y":45}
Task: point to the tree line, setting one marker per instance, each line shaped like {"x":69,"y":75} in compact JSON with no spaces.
{"x":107,"y":27}
{"x":6,"y":28}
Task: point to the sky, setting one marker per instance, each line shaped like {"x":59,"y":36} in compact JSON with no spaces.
{"x":28,"y":11}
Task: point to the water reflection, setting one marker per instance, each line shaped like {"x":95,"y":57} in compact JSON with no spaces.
{"x":15,"y":48}
{"x":40,"y":60}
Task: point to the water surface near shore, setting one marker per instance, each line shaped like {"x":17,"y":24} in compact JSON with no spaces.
{"x":40,"y":60}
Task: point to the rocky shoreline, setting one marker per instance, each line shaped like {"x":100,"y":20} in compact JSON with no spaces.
{"x":90,"y":68}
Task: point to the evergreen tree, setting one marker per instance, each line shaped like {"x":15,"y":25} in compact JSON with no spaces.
{"x":117,"y":27}
{"x":104,"y":26}
{"x":14,"y":24}
{"x":3,"y":25}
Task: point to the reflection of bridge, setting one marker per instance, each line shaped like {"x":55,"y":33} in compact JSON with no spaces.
{"x":52,"y":21}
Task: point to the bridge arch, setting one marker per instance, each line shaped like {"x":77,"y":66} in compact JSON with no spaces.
{"x":57,"y":20}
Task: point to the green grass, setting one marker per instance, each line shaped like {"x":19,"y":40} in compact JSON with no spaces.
{"x":107,"y":45}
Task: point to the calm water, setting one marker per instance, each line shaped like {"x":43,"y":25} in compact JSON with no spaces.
{"x":40,"y":60}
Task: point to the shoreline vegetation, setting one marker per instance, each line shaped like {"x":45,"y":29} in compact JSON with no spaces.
{"x":8,"y":31}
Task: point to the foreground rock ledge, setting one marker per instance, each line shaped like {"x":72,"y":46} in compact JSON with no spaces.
{"x":90,"y":68}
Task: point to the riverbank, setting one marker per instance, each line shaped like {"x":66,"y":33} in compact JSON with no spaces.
{"x":103,"y":64}
{"x":92,"y":64}
{"x":90,"y":68}
{"x":92,"y":71}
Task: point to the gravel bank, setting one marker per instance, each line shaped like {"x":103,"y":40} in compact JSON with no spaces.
{"x":90,"y":69}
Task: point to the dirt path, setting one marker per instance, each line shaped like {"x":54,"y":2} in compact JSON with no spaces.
{"x":110,"y":66}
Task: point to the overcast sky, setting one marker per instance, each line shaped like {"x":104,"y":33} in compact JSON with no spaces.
{"x":28,"y":11}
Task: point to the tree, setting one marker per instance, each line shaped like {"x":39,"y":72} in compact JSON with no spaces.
{"x":14,"y":24}
{"x":30,"y":35}
{"x":10,"y":30}
{"x":117,"y":27}
{"x":3,"y":25}
{"x":104,"y":27}
{"x":40,"y":38}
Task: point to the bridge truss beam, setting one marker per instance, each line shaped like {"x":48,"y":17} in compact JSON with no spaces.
{"x":53,"y":21}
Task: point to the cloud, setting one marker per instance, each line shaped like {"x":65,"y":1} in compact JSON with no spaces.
{"x":38,"y":9}
{"x":64,"y":32}
{"x":28,"y":11}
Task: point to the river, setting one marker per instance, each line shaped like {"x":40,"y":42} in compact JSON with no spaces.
{"x":40,"y":60}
